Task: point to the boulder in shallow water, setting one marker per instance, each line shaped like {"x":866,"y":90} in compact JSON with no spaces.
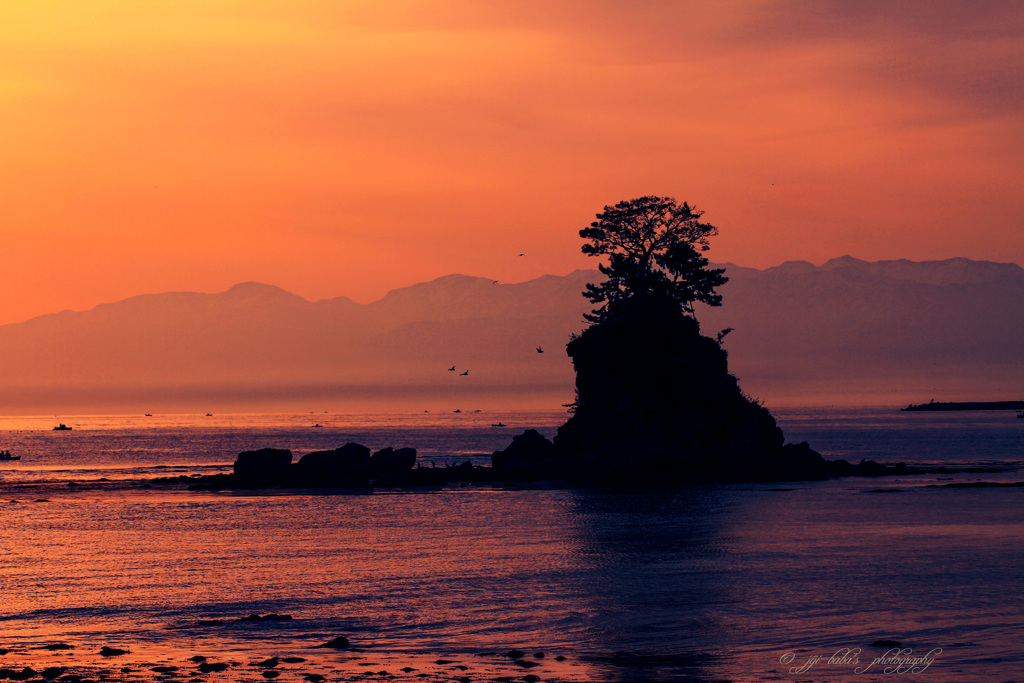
{"x":339,"y":643}
{"x":530,"y":456}
{"x":887,"y":643}
{"x":392,"y":463}
{"x":870,"y":468}
{"x":789,"y":463}
{"x":345,"y":466}
{"x":262,"y":468}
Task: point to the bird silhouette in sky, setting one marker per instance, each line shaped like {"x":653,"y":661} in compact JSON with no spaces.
{"x":451,"y":369}
{"x":522,"y":254}
{"x":540,"y":350}
{"x":464,"y":373}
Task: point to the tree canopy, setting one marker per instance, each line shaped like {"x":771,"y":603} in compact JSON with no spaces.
{"x":655,"y":248}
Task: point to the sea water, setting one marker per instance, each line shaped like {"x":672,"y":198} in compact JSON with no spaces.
{"x":789,"y":581}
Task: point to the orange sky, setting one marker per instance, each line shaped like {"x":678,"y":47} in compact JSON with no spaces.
{"x":337,"y":148}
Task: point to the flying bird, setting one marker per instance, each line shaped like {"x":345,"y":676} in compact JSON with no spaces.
{"x":540,"y":350}
{"x":464,"y":373}
{"x":451,"y":369}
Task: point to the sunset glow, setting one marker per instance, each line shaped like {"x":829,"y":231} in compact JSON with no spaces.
{"x":348,"y":149}
{"x":511,"y":340}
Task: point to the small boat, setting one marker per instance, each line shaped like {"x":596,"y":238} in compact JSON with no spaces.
{"x":500,"y":424}
{"x":5,"y":456}
{"x":209,"y":415}
{"x":318,"y":425}
{"x":149,"y":415}
{"x":62,"y":428}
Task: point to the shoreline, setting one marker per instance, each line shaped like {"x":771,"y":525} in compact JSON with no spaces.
{"x":871,"y":473}
{"x":119,"y":660}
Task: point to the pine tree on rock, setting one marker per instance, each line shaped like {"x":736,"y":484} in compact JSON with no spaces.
{"x":655,"y":400}
{"x":655,"y":250}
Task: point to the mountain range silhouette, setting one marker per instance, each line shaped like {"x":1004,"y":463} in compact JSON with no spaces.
{"x":875,"y":332}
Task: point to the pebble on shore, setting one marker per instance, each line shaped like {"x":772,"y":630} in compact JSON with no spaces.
{"x":81,"y":663}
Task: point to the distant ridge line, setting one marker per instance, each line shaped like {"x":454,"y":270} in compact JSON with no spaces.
{"x":964,"y":405}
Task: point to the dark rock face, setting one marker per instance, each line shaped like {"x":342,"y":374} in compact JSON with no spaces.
{"x":529,"y":457}
{"x":390,"y":463}
{"x":339,"y":643}
{"x":350,"y":465}
{"x":656,"y":403}
{"x":791,"y":462}
{"x":345,"y":466}
{"x":265,"y":467}
{"x":886,"y":643}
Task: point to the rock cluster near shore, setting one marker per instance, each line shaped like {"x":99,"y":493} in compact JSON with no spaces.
{"x":335,"y":660}
{"x":529,"y":461}
{"x":351,"y":465}
{"x":530,"y":457}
